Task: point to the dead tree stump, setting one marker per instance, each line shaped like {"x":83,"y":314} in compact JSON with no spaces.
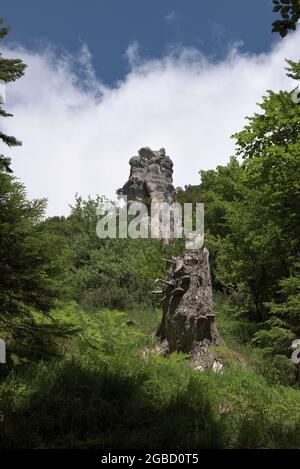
{"x":188,"y":319}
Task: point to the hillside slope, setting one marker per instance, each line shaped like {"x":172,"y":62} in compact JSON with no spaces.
{"x":110,"y":389}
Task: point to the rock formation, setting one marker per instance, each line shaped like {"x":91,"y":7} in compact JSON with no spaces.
{"x":188,"y":319}
{"x":150,"y":178}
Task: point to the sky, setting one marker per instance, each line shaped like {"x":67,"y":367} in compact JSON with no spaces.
{"x":105,"y":78}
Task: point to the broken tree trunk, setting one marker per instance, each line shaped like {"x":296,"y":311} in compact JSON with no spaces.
{"x":188,"y":319}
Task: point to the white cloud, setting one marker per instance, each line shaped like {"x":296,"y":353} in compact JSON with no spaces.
{"x":78,"y":134}
{"x":132,"y":54}
{"x":172,"y":16}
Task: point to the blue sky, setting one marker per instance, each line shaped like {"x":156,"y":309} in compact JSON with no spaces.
{"x":105,"y":78}
{"x":108,"y":26}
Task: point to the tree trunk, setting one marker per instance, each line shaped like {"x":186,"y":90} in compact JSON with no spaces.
{"x":188,"y":318}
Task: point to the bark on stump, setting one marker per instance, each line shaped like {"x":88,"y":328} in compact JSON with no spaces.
{"x":188,"y":319}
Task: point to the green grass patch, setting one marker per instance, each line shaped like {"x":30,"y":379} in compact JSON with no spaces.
{"x":111,"y":390}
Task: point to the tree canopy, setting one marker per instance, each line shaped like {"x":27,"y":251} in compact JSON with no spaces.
{"x":289,"y":11}
{"x":10,"y":70}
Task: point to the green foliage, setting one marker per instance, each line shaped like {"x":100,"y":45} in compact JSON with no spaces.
{"x":31,"y":268}
{"x":118,"y":275}
{"x":288,"y":308}
{"x":252,"y":223}
{"x":32,"y":262}
{"x":91,"y":377}
{"x":110,"y":390}
{"x":265,"y":226}
{"x":293,"y":69}
{"x":276,"y":335}
{"x":86,"y":374}
{"x":218,"y":189}
{"x":290,"y":14}
{"x":283,"y":327}
{"x":263,"y":350}
{"x":10,"y":70}
{"x":107,"y":273}
{"x":266,"y":221}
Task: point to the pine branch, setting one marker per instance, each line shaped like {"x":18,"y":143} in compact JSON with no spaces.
{"x":293,"y":69}
{"x":3,"y":31}
{"x":5,"y":164}
{"x":3,"y":113}
{"x":10,"y":140}
{"x":11,"y":69}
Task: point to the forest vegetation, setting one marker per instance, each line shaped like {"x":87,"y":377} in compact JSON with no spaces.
{"x":79,"y":321}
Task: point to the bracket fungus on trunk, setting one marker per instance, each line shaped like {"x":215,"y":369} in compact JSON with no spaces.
{"x":188,"y":320}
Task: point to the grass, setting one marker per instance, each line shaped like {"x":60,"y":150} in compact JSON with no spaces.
{"x":110,"y":390}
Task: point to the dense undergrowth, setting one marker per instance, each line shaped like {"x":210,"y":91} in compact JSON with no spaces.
{"x":110,"y":389}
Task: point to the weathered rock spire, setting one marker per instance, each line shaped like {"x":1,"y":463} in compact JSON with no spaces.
{"x":150,"y":178}
{"x":188,"y":319}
